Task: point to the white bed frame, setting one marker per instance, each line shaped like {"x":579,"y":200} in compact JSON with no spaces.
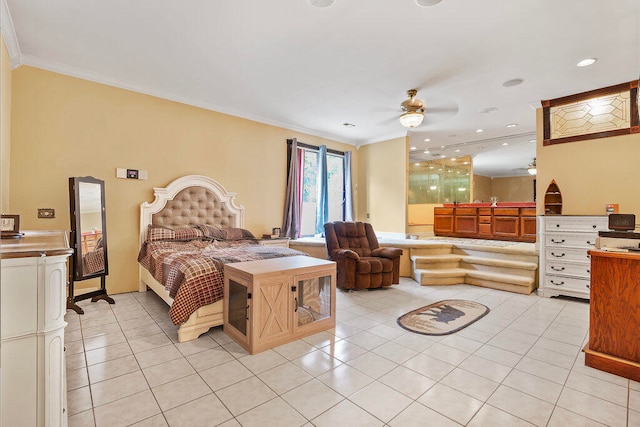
{"x":152,"y":213}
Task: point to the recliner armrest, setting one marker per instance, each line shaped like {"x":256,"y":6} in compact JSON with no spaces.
{"x":387,"y":252}
{"x":344,"y":253}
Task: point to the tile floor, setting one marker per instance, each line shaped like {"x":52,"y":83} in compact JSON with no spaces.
{"x":521,"y":365}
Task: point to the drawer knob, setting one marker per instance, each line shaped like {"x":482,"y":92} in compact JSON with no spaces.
{"x":589,"y":242}
{"x":588,"y":286}
{"x":557,"y":241}
{"x":557,"y":284}
{"x":554,"y":268}
{"x":594,"y":226}
{"x":557,"y":256}
{"x":588,"y":271}
{"x":557,"y":225}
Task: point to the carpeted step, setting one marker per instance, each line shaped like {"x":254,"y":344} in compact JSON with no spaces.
{"x":520,"y":265}
{"x":514,"y":283}
{"x":436,"y":261}
{"x":500,"y":266}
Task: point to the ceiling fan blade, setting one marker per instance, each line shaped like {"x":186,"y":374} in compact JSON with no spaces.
{"x":385,"y":110}
{"x":441,"y":110}
{"x":388,"y":121}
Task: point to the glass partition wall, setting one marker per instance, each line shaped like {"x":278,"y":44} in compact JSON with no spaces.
{"x":445,"y":180}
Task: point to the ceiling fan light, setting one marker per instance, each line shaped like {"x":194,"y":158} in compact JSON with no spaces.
{"x":532,"y":168}
{"x":427,"y":3}
{"x":321,"y":3}
{"x":411,"y":119}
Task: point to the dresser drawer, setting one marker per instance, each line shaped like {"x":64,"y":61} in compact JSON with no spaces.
{"x":576,"y":224}
{"x":484,"y":219}
{"x":443,"y":211}
{"x":559,"y":284}
{"x":581,"y":270}
{"x":466,"y":211}
{"x":567,"y":255}
{"x":505,"y":212}
{"x":575,"y":240}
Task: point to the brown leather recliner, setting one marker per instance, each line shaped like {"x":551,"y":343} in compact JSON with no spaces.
{"x":362,"y":263}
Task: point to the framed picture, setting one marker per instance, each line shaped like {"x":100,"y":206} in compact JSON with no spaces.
{"x":10,"y":226}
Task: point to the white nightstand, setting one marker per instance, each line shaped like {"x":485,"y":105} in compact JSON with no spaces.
{"x":280,"y":242}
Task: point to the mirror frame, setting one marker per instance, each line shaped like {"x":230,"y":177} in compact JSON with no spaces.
{"x":76,"y":230}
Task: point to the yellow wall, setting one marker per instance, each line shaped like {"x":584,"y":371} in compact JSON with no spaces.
{"x":382,"y":185}
{"x":507,"y":189}
{"x":590,"y":173}
{"x":64,"y":126}
{"x":513,"y":188}
{"x":481,"y":188}
{"x":5,"y":126}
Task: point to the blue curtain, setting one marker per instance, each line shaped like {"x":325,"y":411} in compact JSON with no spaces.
{"x":322,"y":201}
{"x":348,"y":195}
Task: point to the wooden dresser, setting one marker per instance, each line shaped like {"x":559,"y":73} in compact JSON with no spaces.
{"x":614,"y":314}
{"x":33,"y":305}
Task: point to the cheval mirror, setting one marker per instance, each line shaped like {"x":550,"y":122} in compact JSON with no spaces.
{"x":89,"y":239}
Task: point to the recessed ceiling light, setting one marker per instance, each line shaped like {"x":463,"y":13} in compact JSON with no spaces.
{"x":532,"y":140}
{"x":427,"y":3}
{"x":417,"y":164}
{"x":488,"y":110}
{"x":586,"y":62}
{"x":513,"y":82}
{"x":479,"y":130}
{"x":442,"y":146}
{"x":458,"y":150}
{"x":426,"y":151}
{"x":442,"y":156}
{"x":466,"y":163}
{"x":427,"y":139}
{"x":505,"y":144}
{"x":453,"y":159}
{"x":512,"y":125}
{"x":321,"y":3}
{"x":433,"y":187}
{"x":413,"y":148}
{"x":349,"y":125}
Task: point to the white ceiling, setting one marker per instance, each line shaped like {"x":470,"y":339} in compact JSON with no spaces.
{"x":288,"y":63}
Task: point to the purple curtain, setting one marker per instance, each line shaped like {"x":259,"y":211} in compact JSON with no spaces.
{"x":293,"y":205}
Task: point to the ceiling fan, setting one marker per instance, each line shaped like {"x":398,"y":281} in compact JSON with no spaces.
{"x":413,"y":110}
{"x":531,"y":168}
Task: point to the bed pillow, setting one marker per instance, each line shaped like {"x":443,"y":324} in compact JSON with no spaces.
{"x":157,"y":233}
{"x":217,"y":232}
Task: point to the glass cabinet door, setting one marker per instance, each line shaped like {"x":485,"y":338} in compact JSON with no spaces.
{"x":313,"y":299}
{"x":238,"y":306}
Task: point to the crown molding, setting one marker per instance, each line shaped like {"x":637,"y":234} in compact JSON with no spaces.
{"x":9,"y":34}
{"x":56,"y":67}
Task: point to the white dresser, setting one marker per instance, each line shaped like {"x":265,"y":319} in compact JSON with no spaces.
{"x":564,"y":262}
{"x":33,"y":304}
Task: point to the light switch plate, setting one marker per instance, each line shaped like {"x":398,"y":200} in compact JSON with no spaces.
{"x":46,"y":213}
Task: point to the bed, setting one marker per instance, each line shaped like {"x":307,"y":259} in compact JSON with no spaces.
{"x":178,"y":223}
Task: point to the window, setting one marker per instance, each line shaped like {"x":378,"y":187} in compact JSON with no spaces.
{"x":599,"y":113}
{"x":335,"y":186}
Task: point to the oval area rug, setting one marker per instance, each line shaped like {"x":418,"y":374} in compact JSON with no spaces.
{"x":443,"y":317}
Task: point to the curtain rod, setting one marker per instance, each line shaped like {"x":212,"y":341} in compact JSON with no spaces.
{"x":315,"y":147}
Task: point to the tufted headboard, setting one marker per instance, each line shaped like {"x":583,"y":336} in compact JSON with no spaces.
{"x":191,"y":200}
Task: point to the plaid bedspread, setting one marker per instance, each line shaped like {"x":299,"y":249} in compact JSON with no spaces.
{"x":193,"y":272}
